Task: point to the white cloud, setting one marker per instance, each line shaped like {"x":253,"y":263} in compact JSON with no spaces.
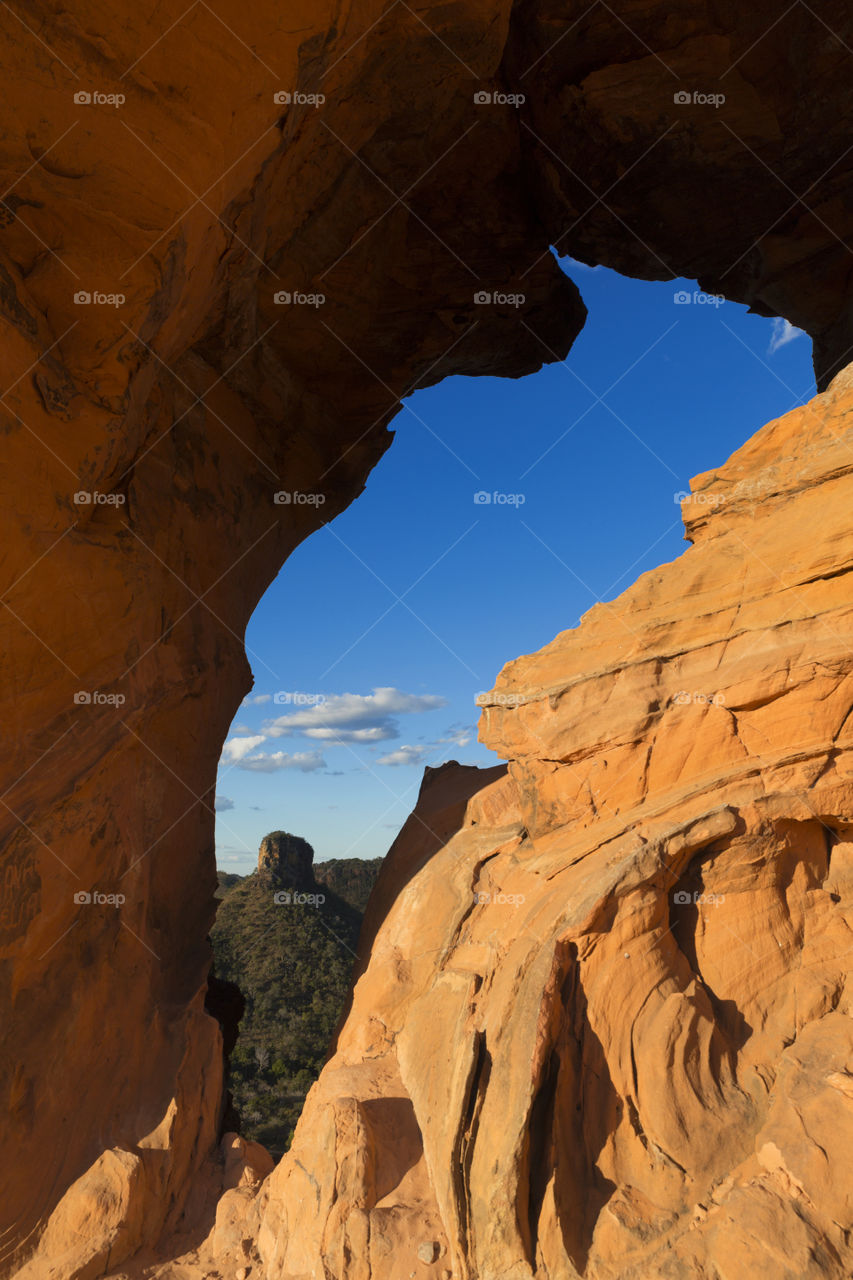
{"x":377,"y":734}
{"x":366,"y":719}
{"x":222,"y":803}
{"x":256,"y":700}
{"x":783,"y":333}
{"x":236,"y":749}
{"x":354,"y":717}
{"x":404,"y":755}
{"x":272,"y":762}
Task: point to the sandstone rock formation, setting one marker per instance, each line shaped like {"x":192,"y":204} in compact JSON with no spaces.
{"x":146,"y":442}
{"x":606,"y":1028}
{"x":285,"y":861}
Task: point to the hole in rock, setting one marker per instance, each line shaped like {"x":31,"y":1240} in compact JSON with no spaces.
{"x":503,"y":511}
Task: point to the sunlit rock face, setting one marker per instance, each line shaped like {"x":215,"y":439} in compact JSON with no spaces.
{"x":285,"y":861}
{"x":215,"y":288}
{"x":605,"y":1028}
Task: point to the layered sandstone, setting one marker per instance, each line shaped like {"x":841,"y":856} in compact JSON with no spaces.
{"x":183,"y":412}
{"x":605,"y":1028}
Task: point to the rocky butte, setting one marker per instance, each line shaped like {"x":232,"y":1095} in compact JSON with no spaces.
{"x":603,"y":1023}
{"x":285,"y":938}
{"x":285,"y":862}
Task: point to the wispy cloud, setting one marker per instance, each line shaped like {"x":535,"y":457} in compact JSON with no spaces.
{"x":242,"y":753}
{"x":237,"y":749}
{"x":360,"y":719}
{"x":434,"y":752}
{"x":783,"y":333}
{"x":459,"y":735}
{"x":227,"y":854}
{"x":354,"y":717}
{"x":272,"y":762}
{"x":222,"y":803}
{"x":404,"y":755}
{"x":376,"y":733}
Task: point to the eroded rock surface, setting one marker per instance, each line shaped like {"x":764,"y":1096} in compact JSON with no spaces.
{"x":146,"y":441}
{"x":605,"y":1029}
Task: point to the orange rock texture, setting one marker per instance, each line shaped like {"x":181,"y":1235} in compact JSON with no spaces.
{"x":179,"y":410}
{"x":605,"y":1029}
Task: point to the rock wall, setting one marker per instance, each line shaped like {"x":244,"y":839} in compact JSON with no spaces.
{"x":605,"y":1028}
{"x":171,"y":431}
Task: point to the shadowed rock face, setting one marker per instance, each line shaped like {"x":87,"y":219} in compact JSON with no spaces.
{"x":146,"y":442}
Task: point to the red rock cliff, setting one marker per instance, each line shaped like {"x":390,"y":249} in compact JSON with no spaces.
{"x":147,"y":364}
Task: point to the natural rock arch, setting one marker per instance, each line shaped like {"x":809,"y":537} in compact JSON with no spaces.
{"x":187,"y":407}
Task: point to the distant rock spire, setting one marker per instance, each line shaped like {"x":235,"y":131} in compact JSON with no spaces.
{"x":285,"y":861}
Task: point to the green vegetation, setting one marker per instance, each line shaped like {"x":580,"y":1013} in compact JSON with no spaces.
{"x":226,"y":880}
{"x":293,"y":962}
{"x":350,"y":878}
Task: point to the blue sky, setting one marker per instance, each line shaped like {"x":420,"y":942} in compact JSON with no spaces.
{"x":370,"y":647}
